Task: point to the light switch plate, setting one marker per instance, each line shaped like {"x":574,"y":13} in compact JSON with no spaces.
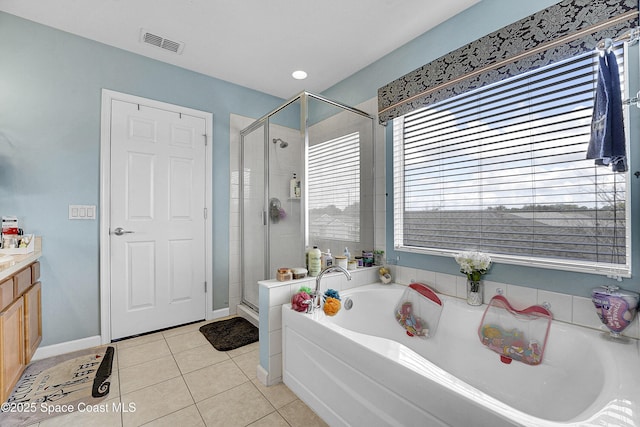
{"x":82,"y":212}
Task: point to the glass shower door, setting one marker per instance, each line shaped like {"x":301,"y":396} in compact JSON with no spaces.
{"x":286,"y":238}
{"x":254,"y":229}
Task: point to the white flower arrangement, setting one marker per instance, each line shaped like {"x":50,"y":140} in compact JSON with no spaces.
{"x":473,"y":264}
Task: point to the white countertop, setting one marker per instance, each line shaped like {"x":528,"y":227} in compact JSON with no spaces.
{"x":18,"y":262}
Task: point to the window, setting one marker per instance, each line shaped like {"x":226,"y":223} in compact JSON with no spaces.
{"x":502,"y":170}
{"x":334,"y":189}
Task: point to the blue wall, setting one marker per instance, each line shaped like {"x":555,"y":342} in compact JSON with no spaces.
{"x":50,"y":94}
{"x":483,"y":18}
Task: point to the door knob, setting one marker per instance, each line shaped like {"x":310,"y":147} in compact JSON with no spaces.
{"x":120,"y":231}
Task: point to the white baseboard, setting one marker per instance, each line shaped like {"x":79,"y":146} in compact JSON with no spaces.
{"x":263,"y":375}
{"x":222,"y":312}
{"x":66,"y":347}
{"x":247,"y":313}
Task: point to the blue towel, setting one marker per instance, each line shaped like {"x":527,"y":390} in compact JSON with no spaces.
{"x":607,"y":143}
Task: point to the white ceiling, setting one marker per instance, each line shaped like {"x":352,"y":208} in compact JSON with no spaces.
{"x":253,"y":43}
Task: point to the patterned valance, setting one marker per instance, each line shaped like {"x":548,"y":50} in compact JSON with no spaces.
{"x":553,"y":34}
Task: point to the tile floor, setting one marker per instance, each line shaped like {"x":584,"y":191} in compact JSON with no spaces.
{"x":176,"y":378}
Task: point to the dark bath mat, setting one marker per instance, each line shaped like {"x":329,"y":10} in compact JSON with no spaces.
{"x":225,"y":335}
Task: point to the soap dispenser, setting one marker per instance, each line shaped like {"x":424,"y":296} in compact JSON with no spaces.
{"x":328,"y":259}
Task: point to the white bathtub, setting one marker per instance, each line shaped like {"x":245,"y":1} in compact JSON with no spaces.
{"x":360,"y":368}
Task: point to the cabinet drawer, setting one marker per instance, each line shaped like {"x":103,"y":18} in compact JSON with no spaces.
{"x":6,"y":293}
{"x":22,"y":281}
{"x":35,"y":272}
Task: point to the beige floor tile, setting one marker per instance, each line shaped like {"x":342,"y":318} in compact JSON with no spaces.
{"x":131,"y":356}
{"x":278,"y":395}
{"x":272,"y":420}
{"x":148,"y":373}
{"x":239,"y":406}
{"x":298,"y":414}
{"x":103,"y":415}
{"x":144,"y":339}
{"x":248,"y":362}
{"x":186,"y":341}
{"x":183,"y":329}
{"x":156,"y":401}
{"x":199,"y":357}
{"x":114,"y":387}
{"x":187,"y":417}
{"x":244,"y":349}
{"x":214,"y":379}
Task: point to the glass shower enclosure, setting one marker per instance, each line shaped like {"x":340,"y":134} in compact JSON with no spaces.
{"x":307,"y":180}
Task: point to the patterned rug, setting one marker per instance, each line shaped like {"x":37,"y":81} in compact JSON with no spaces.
{"x":59,"y":385}
{"x":225,"y":335}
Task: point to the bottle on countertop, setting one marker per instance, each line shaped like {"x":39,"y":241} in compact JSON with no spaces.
{"x":314,"y":261}
{"x":306,"y":257}
{"x":327,"y":259}
{"x":347,"y":253}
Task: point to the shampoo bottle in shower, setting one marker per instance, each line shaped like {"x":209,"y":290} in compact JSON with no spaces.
{"x":293,"y":185}
{"x":314,"y":261}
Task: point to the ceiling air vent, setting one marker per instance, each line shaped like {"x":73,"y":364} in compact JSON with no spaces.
{"x":161,"y":42}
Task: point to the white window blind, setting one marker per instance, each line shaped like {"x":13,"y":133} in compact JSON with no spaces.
{"x":334,"y":189}
{"x":502,"y":170}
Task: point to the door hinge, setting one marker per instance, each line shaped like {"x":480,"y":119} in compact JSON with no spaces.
{"x":205,"y":213}
{"x":205,"y":139}
{"x":205,"y":287}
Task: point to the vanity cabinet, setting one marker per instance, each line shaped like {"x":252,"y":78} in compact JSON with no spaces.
{"x":20,"y":324}
{"x":12,"y":360}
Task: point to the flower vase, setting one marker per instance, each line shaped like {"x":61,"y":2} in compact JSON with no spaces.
{"x":474,"y":292}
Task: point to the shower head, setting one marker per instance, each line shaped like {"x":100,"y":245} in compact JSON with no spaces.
{"x":283,"y":144}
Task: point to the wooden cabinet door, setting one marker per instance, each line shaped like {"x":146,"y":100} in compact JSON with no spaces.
{"x":32,"y":320}
{"x":12,"y":360}
{"x":6,"y":293}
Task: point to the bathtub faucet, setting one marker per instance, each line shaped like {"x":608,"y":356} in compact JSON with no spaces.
{"x":316,"y":293}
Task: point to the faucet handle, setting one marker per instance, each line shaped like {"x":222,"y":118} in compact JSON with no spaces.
{"x":309,"y":304}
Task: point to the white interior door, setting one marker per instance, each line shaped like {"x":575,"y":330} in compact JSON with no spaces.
{"x":157,"y":219}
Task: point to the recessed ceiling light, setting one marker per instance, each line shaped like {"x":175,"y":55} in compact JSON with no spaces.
{"x":299,"y":75}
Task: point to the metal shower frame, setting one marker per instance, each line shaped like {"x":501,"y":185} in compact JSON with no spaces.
{"x":263,"y":121}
